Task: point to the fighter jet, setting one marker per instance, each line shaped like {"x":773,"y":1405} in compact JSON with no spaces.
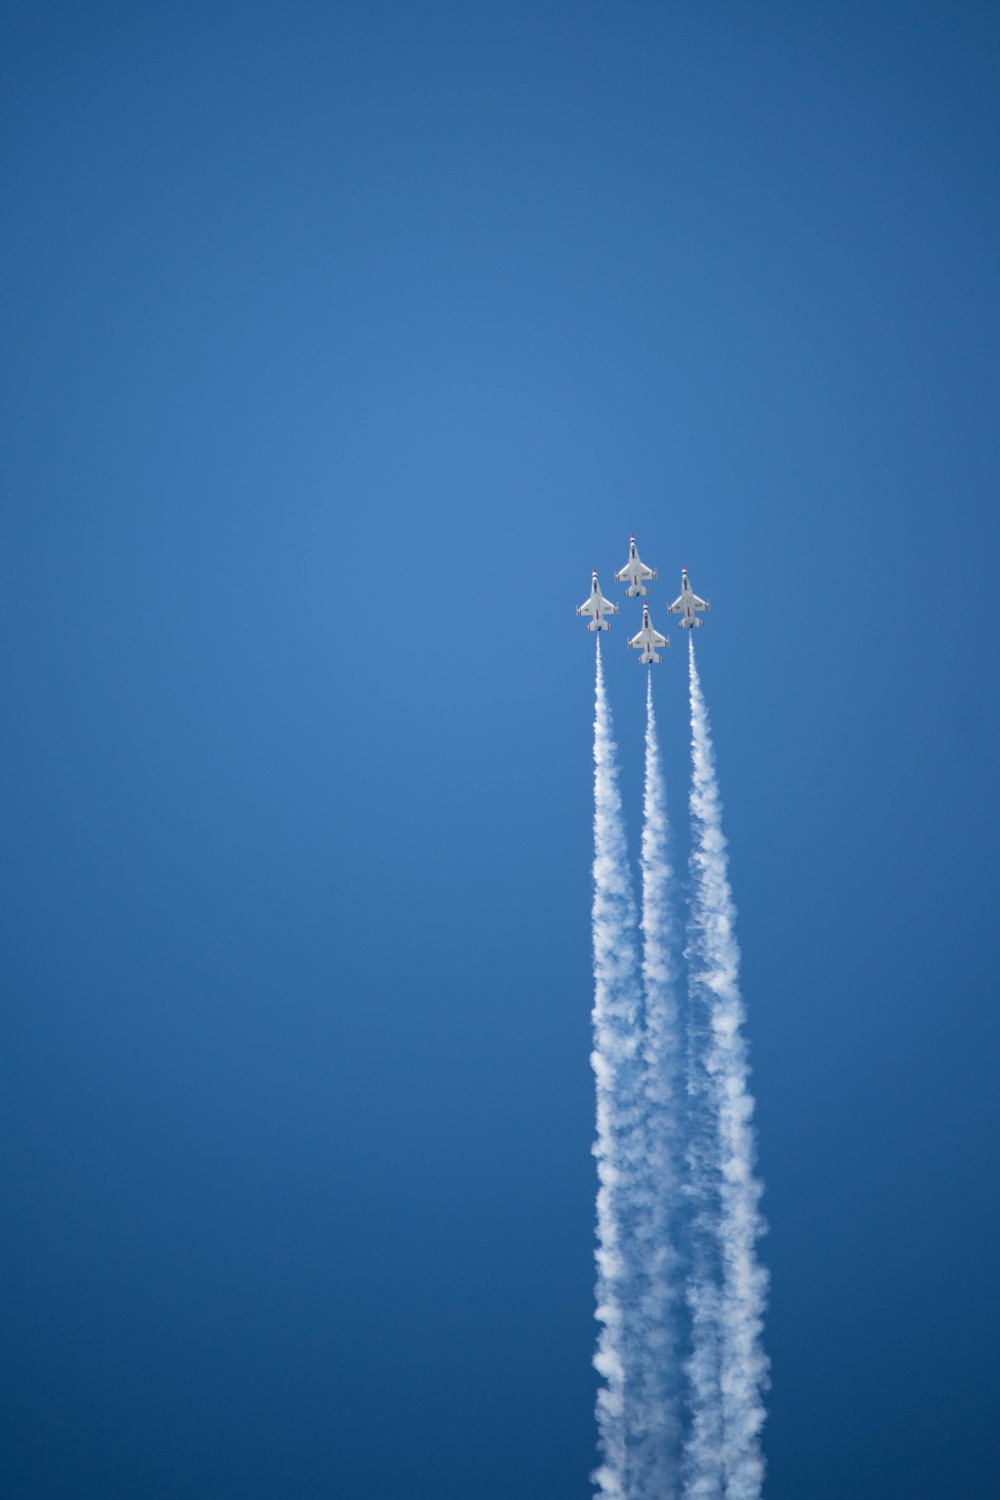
{"x":647,"y":640}
{"x":597,"y":606}
{"x":687,"y":604}
{"x":634,"y":572}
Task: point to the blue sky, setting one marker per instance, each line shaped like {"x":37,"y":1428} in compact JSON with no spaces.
{"x":339,"y":344}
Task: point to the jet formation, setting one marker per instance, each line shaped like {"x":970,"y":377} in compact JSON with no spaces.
{"x":636,"y":575}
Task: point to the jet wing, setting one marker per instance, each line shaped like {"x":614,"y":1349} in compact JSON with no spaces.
{"x":635,"y":569}
{"x":637,"y":641}
{"x":658,"y":639}
{"x":592,"y":605}
{"x":677,"y":608}
{"x":699,"y":603}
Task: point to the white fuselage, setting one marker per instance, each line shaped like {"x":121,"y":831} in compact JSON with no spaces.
{"x":636,"y":587}
{"x":688,"y":606}
{"x":688,"y":619}
{"x":647,"y":640}
{"x":634,"y":572}
{"x":598,"y":608}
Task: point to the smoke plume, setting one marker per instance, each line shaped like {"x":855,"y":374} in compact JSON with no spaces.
{"x":616,"y":1060}
{"x":726,"y":1291}
{"x":658,"y":1331}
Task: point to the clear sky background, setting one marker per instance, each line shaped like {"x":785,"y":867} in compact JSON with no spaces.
{"x":339,"y":343}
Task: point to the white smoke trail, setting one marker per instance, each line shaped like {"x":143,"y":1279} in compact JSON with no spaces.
{"x":727,"y":1288}
{"x":618,"y":1148}
{"x":659,"y":1333}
